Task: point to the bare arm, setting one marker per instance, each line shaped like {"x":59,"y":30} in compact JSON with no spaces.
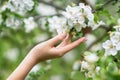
{"x":42,"y":52}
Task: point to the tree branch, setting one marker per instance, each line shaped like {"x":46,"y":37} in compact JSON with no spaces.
{"x":94,"y":10}
{"x":105,"y":4}
{"x":51,"y":4}
{"x":38,"y":17}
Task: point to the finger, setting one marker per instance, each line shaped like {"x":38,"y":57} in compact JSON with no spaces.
{"x":56,"y":39}
{"x":72,"y":45}
{"x":66,"y":41}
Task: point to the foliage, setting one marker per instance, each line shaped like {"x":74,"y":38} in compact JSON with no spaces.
{"x":24,"y":23}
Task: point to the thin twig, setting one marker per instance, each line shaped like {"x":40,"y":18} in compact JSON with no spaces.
{"x":102,"y":6}
{"x":38,"y":17}
{"x":51,"y":4}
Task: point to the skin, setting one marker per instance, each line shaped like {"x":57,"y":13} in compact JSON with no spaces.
{"x":44,"y":51}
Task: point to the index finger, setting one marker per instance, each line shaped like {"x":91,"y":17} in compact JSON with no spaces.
{"x":72,"y":45}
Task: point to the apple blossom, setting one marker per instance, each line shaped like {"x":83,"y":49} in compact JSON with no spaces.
{"x":115,"y":38}
{"x":45,"y":10}
{"x":91,"y":58}
{"x":12,"y":54}
{"x":110,"y":48}
{"x":97,"y":69}
{"x":20,"y":6}
{"x":13,"y":22}
{"x":89,"y":69}
{"x":119,"y":21}
{"x":75,"y":18}
{"x":117,"y":27}
{"x":77,"y":65}
{"x":29,"y":24}
{"x":85,"y":66}
{"x":58,"y":24}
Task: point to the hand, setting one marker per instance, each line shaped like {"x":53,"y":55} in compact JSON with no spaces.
{"x":44,"y":51}
{"x":48,"y":50}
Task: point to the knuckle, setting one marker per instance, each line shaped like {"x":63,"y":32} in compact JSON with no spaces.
{"x":60,"y":37}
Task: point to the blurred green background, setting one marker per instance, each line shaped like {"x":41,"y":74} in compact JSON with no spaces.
{"x":16,"y":43}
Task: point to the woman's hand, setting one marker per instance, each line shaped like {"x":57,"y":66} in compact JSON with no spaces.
{"x":48,"y":50}
{"x":44,"y":51}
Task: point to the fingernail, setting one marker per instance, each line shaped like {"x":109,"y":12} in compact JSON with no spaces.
{"x":85,"y":38}
{"x":64,"y":35}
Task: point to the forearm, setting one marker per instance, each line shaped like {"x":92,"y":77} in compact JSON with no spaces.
{"x":23,"y":69}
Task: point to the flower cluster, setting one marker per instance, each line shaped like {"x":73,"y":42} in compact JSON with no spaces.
{"x":20,"y":6}
{"x":58,"y":24}
{"x":77,"y":17}
{"x":112,"y":46}
{"x":30,"y":24}
{"x":88,"y":64}
{"x":13,"y":22}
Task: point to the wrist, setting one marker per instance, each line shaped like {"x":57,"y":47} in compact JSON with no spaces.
{"x":32,"y":58}
{"x":34,"y":55}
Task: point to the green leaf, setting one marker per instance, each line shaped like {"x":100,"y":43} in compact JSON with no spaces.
{"x":95,"y":18}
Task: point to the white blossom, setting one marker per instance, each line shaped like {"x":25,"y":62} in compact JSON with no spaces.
{"x":12,"y":54}
{"x":117,"y":27}
{"x":45,"y":10}
{"x":94,"y":25}
{"x":20,"y":6}
{"x":97,"y":69}
{"x":29,"y":24}
{"x":110,"y":48}
{"x":4,"y":7}
{"x":28,"y":4}
{"x":42,"y":22}
{"x":85,"y":66}
{"x":90,"y":74}
{"x":75,"y":18}
{"x":89,"y":69}
{"x":118,"y":21}
{"x":58,"y":24}
{"x":92,"y":58}
{"x":86,"y":11}
{"x":76,"y":65}
{"x":81,"y":16}
{"x":91,"y":38}
{"x":115,"y":38}
{"x":13,"y":22}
